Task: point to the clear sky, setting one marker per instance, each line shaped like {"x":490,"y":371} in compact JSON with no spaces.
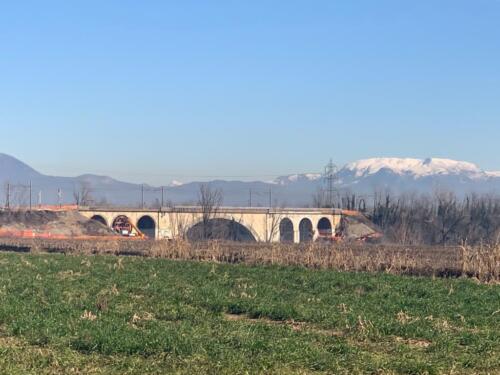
{"x":150,"y":91}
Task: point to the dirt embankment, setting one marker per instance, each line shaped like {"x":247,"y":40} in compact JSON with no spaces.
{"x":50,"y":224}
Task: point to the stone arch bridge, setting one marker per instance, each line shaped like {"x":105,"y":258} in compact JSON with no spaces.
{"x":291,"y":225}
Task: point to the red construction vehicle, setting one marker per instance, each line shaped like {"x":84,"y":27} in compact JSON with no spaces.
{"x":123,"y":226}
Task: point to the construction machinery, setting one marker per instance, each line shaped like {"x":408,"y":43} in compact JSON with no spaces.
{"x":123,"y":226}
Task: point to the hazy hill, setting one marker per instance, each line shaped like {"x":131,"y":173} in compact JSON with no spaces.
{"x":362,"y":177}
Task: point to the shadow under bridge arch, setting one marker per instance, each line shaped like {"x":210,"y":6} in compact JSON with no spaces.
{"x":306,"y":230}
{"x":220,"y":229}
{"x":99,"y":219}
{"x":147,"y":226}
{"x":287,"y":234}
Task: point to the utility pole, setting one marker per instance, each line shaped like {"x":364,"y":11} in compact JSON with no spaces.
{"x":59,"y":197}
{"x":270,"y":198}
{"x":7,"y":203}
{"x":162,"y":196}
{"x":250,"y":200}
{"x":40,"y":199}
{"x":142,"y":196}
{"x":31,"y":195}
{"x":330,"y":176}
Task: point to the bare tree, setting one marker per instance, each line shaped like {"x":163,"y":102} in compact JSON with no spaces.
{"x":19,"y":195}
{"x":319,"y":198}
{"x":449,"y":216}
{"x":274,"y":224}
{"x":210,"y":201}
{"x":440,"y":219}
{"x":180,"y":223}
{"x":8,"y":195}
{"x":83,"y":194}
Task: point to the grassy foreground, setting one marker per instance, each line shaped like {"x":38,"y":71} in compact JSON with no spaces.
{"x":104,"y":314}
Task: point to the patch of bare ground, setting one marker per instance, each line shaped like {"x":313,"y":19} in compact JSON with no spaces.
{"x":414,"y":343}
{"x":10,"y":342}
{"x":294,"y":325}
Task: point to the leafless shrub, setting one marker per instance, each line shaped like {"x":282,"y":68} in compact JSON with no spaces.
{"x":82,"y":194}
{"x":210,"y":201}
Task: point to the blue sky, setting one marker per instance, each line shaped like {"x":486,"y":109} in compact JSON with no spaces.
{"x":152,"y":91}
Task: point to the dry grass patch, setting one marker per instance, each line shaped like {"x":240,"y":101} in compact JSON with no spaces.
{"x":414,"y":343}
{"x":293,"y":325}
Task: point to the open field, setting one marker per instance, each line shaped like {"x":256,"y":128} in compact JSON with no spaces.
{"x":107,"y":314}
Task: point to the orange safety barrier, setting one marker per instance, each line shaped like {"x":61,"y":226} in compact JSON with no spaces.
{"x":351,"y":213}
{"x":53,"y":236}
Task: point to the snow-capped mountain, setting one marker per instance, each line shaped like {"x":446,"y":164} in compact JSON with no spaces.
{"x":175,"y":183}
{"x":414,"y":167}
{"x":417,"y":175}
{"x":297,"y":178}
{"x":397,"y":175}
{"x":493,"y":174}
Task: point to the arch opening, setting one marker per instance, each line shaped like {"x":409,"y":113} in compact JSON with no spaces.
{"x":286,"y":231}
{"x":220,"y":229}
{"x":325,"y":229}
{"x":99,"y":219}
{"x":122,"y":225}
{"x":147,"y":226}
{"x":306,"y":231}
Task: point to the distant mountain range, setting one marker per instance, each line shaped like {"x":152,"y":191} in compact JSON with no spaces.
{"x":363,"y":177}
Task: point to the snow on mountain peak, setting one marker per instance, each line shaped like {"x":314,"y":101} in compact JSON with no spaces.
{"x":493,"y":174}
{"x":284,"y":180}
{"x":415,"y":167}
{"x":175,"y":183}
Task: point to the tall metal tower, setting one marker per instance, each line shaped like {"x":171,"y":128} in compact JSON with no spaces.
{"x":330,"y":178}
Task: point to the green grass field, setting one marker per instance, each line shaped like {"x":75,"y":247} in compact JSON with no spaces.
{"x":104,"y":314}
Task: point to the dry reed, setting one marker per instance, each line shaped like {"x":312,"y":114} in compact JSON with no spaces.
{"x":480,"y":262}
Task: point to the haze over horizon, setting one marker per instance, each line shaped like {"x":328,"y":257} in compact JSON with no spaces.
{"x":192,"y":91}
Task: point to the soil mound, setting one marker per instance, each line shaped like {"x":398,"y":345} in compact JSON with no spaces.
{"x":355,"y":227}
{"x":23,"y":223}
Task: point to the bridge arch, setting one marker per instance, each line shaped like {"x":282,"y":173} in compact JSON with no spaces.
{"x":221,"y":229}
{"x":147,"y":225}
{"x":306,"y":230}
{"x":122,"y":224}
{"x":287,"y":234}
{"x":99,"y":219}
{"x":325,"y":228}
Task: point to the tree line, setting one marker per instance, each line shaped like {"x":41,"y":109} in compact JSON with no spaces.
{"x":441,"y":218}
